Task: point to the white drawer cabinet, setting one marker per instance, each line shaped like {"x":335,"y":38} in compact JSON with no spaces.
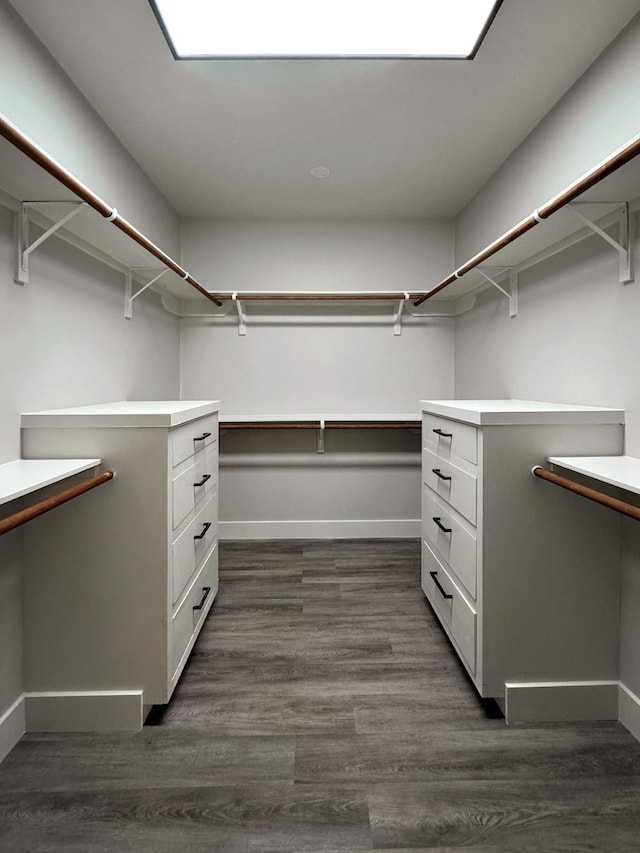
{"x":522,"y":576}
{"x":118,"y":585}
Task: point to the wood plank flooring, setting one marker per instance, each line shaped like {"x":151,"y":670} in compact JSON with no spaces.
{"x":324,"y":710}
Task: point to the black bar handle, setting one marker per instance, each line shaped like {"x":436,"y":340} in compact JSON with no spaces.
{"x":205,"y":527}
{"x":205,"y":592}
{"x":439,"y":524}
{"x":443,"y":434}
{"x":202,"y":437}
{"x":439,"y":474}
{"x":204,"y":479}
{"x":434,"y":575}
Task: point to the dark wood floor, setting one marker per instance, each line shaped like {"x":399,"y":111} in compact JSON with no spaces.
{"x":323,"y":710}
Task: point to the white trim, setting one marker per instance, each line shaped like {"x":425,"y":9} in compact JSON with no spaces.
{"x":330,"y":529}
{"x":87,"y":711}
{"x":562,"y":701}
{"x":629,"y":710}
{"x":12,"y":727}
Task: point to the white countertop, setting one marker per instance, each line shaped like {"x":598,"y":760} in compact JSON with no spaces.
{"x":493,"y":412}
{"x":621,"y":471}
{"x":124,"y":413}
{"x":23,"y":476}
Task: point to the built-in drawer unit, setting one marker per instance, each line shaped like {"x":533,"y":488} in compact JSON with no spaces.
{"x":139,"y":555}
{"x":523,"y":577}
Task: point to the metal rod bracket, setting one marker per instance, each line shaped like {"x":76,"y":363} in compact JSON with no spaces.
{"x":129,"y":296}
{"x":624,"y":244}
{"x":397,"y":317}
{"x":511,"y":294}
{"x":242,"y":316}
{"x":24,"y":248}
{"x":321,"y":430}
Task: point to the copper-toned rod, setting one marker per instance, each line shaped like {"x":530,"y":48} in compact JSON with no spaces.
{"x":585,"y":492}
{"x":597,"y":174}
{"x":317,"y":425}
{"x":39,"y":156}
{"x":40,"y":508}
{"x":302,"y":296}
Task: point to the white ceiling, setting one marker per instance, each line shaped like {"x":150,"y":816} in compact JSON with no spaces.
{"x":237,"y":138}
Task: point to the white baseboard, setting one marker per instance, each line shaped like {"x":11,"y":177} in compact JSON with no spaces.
{"x":12,"y":727}
{"x":374,"y":529}
{"x":561,"y":701}
{"x":629,"y":710}
{"x":108,"y":711}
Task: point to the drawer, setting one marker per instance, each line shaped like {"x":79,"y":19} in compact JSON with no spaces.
{"x":447,"y":438}
{"x":192,"y":544}
{"x":194,"y":484}
{"x":189,"y":617}
{"x":191,"y":438}
{"x":451,"y":483}
{"x":456,"y":545}
{"x":457,"y":616}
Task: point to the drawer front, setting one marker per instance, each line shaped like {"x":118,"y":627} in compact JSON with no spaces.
{"x":194,"y":485}
{"x":447,"y":438}
{"x":188,"y":619}
{"x":451,"y":483}
{"x":457,"y":616}
{"x":192,"y":544}
{"x":452,"y":542}
{"x":192,"y":438}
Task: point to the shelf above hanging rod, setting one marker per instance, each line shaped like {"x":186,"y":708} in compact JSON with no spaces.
{"x":314,"y":295}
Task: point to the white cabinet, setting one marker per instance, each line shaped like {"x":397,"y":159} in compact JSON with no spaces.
{"x":522,"y":576}
{"x":118,"y":585}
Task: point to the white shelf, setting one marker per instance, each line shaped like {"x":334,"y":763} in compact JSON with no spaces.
{"x":620,"y":471}
{"x":23,"y":476}
{"x":124,"y":413}
{"x":332,"y":418}
{"x":492,"y":412}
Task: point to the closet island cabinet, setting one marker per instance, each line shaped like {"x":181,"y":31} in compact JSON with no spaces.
{"x":118,"y":585}
{"x":523,"y":576}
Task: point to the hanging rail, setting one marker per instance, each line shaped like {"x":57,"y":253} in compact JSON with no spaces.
{"x":40,"y":508}
{"x":312,"y":295}
{"x":22,"y":142}
{"x":597,"y":174}
{"x":586,"y":492}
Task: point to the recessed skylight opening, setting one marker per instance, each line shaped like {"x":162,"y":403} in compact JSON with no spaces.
{"x":412,"y":29}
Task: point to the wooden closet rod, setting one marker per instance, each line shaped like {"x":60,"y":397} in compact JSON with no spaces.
{"x":13,"y":135}
{"x":317,"y":425}
{"x":40,"y":508}
{"x":264,"y":296}
{"x":597,"y":174}
{"x":586,"y":492}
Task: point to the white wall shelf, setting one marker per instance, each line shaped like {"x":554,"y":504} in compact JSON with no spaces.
{"x":620,"y":471}
{"x":23,"y":476}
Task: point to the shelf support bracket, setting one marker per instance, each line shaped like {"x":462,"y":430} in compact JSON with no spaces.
{"x":397,"y":317}
{"x":511,"y":294}
{"x":242,"y":317}
{"x":624,"y":245}
{"x":129,"y":296}
{"x":321,"y":436}
{"x":24,"y":248}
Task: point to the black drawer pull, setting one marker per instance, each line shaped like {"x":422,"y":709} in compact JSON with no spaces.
{"x":439,"y":474}
{"x":202,"y":533}
{"x":205,"y":592}
{"x":204,"y":479}
{"x":443,"y":434}
{"x":202,"y":437}
{"x":440,"y":525}
{"x":434,"y":575}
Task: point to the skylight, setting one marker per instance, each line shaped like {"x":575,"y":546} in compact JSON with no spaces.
{"x":325,"y":28}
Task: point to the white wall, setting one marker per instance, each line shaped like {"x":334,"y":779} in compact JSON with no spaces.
{"x":576,"y":335}
{"x":63,"y":339}
{"x":329,"y":365}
